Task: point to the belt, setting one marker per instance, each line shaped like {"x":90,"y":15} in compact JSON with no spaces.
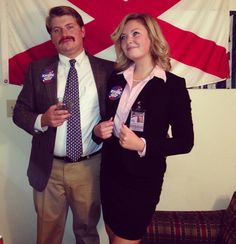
{"x":69,"y":160}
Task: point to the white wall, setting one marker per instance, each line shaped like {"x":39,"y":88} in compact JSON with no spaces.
{"x":232,"y":4}
{"x":201,"y":180}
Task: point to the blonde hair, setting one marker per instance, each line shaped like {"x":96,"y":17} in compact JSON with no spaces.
{"x":159,"y":46}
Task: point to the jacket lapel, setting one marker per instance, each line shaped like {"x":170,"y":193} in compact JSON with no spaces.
{"x":51,"y":87}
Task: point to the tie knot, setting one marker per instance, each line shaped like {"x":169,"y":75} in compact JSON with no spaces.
{"x":72,"y":62}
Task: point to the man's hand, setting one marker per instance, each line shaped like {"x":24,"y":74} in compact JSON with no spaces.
{"x":54,"y":117}
{"x":104,"y":129}
{"x":129,"y":140}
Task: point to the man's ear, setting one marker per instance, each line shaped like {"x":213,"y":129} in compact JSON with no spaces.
{"x":83,"y":31}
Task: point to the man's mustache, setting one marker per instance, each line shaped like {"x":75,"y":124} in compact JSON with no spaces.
{"x":66,"y":38}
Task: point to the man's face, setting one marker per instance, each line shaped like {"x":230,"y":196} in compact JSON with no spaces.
{"x":67,"y":35}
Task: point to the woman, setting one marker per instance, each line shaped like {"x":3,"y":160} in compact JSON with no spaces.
{"x":144,"y":99}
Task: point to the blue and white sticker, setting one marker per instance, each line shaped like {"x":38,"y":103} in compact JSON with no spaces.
{"x":47,"y":75}
{"x":115,"y":92}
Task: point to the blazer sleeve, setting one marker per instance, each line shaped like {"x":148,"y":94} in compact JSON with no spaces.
{"x":182,"y":138}
{"x":23,"y":114}
{"x":179,"y":117}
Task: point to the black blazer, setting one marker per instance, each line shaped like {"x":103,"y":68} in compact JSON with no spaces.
{"x":165,"y":104}
{"x":35,"y":98}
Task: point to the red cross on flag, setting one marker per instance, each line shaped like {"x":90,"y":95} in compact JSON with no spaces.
{"x":197,"y":32}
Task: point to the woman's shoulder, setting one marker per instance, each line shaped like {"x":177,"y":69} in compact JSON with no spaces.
{"x":173,"y":76}
{"x":174,"y":80}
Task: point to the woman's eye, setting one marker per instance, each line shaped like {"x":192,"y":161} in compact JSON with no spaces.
{"x":122,"y":37}
{"x":136,"y":33}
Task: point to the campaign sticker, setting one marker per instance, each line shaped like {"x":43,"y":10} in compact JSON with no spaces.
{"x":115,"y":92}
{"x":47,"y":75}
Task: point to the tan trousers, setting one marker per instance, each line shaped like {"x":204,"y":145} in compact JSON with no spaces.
{"x":74,"y":185}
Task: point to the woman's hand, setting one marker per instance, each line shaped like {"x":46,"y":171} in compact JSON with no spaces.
{"x":129,"y":140}
{"x":104,"y":129}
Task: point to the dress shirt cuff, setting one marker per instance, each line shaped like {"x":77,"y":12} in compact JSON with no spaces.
{"x":37,"y":125}
{"x":142,"y":153}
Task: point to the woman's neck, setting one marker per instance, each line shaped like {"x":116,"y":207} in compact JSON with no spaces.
{"x":142,"y":71}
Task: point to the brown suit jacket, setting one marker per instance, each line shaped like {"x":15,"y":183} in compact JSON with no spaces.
{"x":35,"y":98}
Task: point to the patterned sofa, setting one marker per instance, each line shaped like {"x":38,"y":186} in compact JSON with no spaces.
{"x":192,"y":227}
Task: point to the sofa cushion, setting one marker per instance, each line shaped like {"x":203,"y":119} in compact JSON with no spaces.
{"x":228,"y":232}
{"x":170,"y":227}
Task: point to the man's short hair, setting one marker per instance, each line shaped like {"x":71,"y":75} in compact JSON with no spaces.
{"x":60,"y":11}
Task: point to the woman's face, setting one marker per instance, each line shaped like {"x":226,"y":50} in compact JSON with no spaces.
{"x":135,"y":41}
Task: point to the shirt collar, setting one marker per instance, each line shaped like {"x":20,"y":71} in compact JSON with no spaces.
{"x":65,"y":60}
{"x":157,"y":72}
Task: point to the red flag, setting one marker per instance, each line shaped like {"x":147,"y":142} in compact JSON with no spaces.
{"x":197,"y":34}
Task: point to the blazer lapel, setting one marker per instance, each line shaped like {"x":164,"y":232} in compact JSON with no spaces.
{"x":96,"y":72}
{"x":100,"y":77}
{"x":114,"y":93}
{"x":51,"y":87}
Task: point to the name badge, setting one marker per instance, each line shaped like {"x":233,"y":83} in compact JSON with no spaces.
{"x":137,"y":119}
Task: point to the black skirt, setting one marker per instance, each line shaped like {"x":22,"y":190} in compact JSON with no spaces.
{"x":128,"y":199}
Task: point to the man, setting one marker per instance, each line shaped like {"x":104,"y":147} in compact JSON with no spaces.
{"x":61,"y":181}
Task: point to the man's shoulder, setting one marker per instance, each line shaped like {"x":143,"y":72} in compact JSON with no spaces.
{"x":99,"y":60}
{"x":45,"y":61}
